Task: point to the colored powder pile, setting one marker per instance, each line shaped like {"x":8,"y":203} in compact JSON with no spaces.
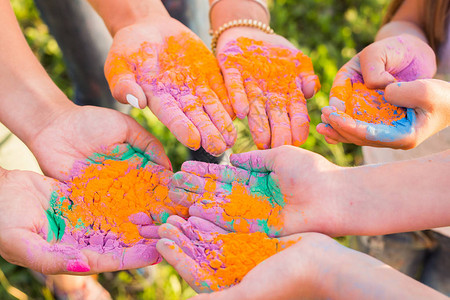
{"x":237,"y":254}
{"x":276,"y":69}
{"x":370,"y":106}
{"x":102,"y":196}
{"x":248,"y":211}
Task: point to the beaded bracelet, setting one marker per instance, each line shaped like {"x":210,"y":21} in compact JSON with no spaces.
{"x":238,"y":23}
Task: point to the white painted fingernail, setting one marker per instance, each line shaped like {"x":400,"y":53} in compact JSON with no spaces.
{"x":133,"y":100}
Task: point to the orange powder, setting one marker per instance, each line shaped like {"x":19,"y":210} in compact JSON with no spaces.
{"x":241,"y":206}
{"x":276,"y":69}
{"x":370,"y":106}
{"x":104,"y":196}
{"x":238,"y":254}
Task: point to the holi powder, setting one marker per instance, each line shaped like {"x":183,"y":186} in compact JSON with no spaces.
{"x":245,"y":210}
{"x":369,"y":105}
{"x":95,"y":205}
{"x":181,"y":70}
{"x":235,"y":256}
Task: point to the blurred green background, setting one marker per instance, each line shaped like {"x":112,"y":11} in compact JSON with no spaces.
{"x":330,"y":32}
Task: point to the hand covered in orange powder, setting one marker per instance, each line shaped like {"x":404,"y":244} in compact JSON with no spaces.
{"x":210,"y":258}
{"x":369,"y":103}
{"x":264,"y":191}
{"x":26,"y":236}
{"x":163,"y":65}
{"x":267,"y":79}
{"x":77,"y":132}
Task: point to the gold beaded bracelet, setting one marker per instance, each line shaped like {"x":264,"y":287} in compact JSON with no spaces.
{"x":237,"y":23}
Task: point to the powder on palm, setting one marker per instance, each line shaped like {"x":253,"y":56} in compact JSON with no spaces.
{"x":99,"y":199}
{"x":237,"y":254}
{"x":369,"y":105}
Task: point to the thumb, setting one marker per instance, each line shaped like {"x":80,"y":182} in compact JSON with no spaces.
{"x":32,"y":251}
{"x":412,"y":94}
{"x":122,"y":82}
{"x":258,"y":160}
{"x":373,"y":67}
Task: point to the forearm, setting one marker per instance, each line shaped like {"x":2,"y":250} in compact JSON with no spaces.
{"x":229,"y":10}
{"x":355,"y":275}
{"x":118,"y":14}
{"x":28,"y":97}
{"x":396,"y":197}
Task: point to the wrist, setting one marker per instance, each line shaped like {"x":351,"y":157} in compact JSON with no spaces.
{"x":225,"y":11}
{"x":37,"y":105}
{"x":117,"y":14}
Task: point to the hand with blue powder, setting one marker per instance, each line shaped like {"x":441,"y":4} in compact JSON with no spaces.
{"x":364,"y":105}
{"x":289,"y":190}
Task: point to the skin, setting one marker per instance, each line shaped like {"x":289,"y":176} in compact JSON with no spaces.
{"x":378,"y":64}
{"x":24,"y":227}
{"x":323,"y":197}
{"x":316,"y":274}
{"x":287,"y":121}
{"x":180,"y":240}
{"x":198,"y":116}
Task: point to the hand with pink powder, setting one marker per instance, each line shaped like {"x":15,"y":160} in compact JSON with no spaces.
{"x":25,"y":237}
{"x":161,"y":64}
{"x":312,"y":268}
{"x":267,"y":80}
{"x":210,"y":258}
{"x":387,"y":65}
{"x":289,"y":190}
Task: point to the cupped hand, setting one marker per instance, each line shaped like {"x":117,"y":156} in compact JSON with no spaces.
{"x":77,"y":132}
{"x":278,"y":191}
{"x":25,"y":237}
{"x":267,"y":79}
{"x":363,"y":111}
{"x":210,"y":258}
{"x":163,"y":65}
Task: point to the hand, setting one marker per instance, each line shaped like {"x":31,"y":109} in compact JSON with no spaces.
{"x":77,"y":132}
{"x":24,"y":230}
{"x":366,"y":117}
{"x":208,"y":257}
{"x":267,"y":79}
{"x":163,"y":65}
{"x":279,"y":191}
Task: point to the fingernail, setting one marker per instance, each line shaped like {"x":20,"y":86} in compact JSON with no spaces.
{"x":77,"y":266}
{"x":133,"y":100}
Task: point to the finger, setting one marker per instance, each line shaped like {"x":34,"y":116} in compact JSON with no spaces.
{"x":310,"y":81}
{"x":205,"y":226}
{"x":218,"y":115}
{"x":373,"y":66}
{"x":122,"y":82}
{"x":280,"y":126}
{"x":211,"y":139}
{"x":142,"y":141}
{"x":32,"y":251}
{"x":149,"y":231}
{"x":218,"y":86}
{"x":140,"y":218}
{"x":258,"y":121}
{"x":188,"y":269}
{"x":222,"y":173}
{"x":181,"y":197}
{"x":259,"y":160}
{"x":166,"y":109}
{"x":411,"y":94}
{"x":331,"y":135}
{"x":199,"y":185}
{"x":298,"y":114}
{"x":337,"y":103}
{"x":235,"y":87}
{"x":169,"y":231}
